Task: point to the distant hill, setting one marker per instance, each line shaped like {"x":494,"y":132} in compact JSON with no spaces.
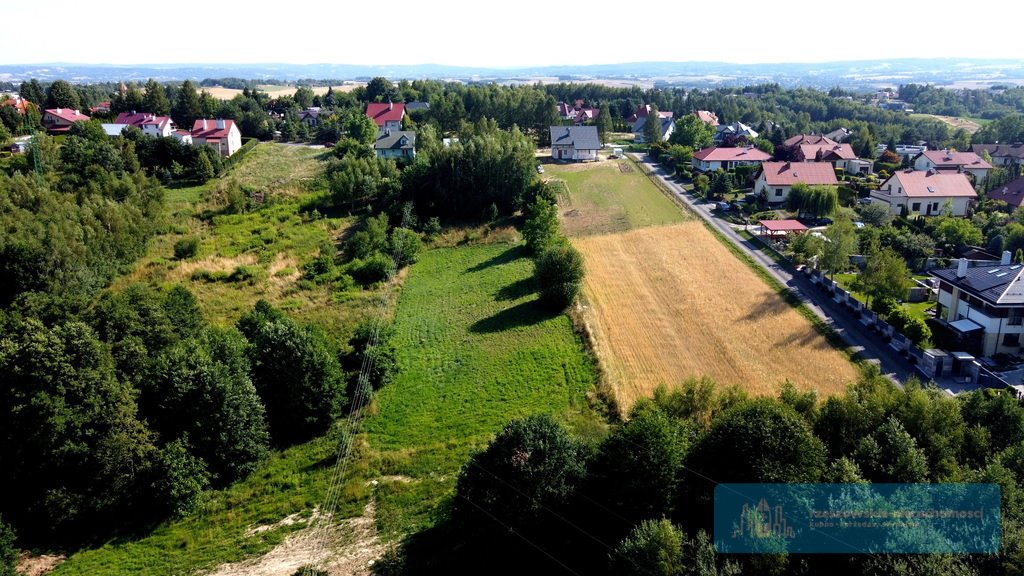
{"x":851,"y":74}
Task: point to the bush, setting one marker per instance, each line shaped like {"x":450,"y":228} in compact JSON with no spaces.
{"x":405,"y":246}
{"x":541,"y":227}
{"x":245,"y":273}
{"x":559,"y":274}
{"x":375,"y":268}
{"x":186,"y":248}
{"x":653,"y":548}
{"x":8,"y":551}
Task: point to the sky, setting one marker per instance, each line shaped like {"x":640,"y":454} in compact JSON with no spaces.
{"x":499,"y":34}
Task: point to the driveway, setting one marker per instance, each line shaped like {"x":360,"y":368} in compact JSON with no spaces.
{"x":856,"y":335}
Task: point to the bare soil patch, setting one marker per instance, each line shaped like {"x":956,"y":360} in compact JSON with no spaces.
{"x":30,"y":565}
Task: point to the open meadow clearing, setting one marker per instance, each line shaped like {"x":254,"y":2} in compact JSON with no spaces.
{"x":670,"y":303}
{"x":610,"y":196}
{"x":276,"y":91}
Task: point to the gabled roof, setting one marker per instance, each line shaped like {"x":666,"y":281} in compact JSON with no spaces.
{"x":742,"y":153}
{"x":736,"y":128}
{"x":783,"y":225}
{"x":382,"y":112}
{"x":707,"y":117}
{"x":801,"y":139}
{"x":565,"y":110}
{"x":207,"y":129}
{"x":1000,"y":150}
{"x":19,"y":104}
{"x":579,"y":137}
{"x":789,"y":173}
{"x":998,"y":284}
{"x":586,"y":115}
{"x":140,"y":119}
{"x":396,"y":140}
{"x":951,"y":159}
{"x":825,"y":152}
{"x":643,"y":110}
{"x":933,"y":183}
{"x":666,"y":123}
{"x":1012,"y":193}
{"x":67,"y":114}
{"x":839,"y":134}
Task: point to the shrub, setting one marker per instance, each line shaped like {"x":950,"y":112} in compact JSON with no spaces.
{"x":405,"y":246}
{"x":8,"y":551}
{"x":559,"y":274}
{"x":653,"y":548}
{"x":245,"y":273}
{"x":373,"y":269}
{"x":541,"y":227}
{"x":186,"y":248}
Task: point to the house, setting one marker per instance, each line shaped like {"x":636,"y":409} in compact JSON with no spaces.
{"x":574,"y":143}
{"x":819,"y":148}
{"x":839,"y":135}
{"x":183,"y":136}
{"x":776,"y":179}
{"x":221,"y":134}
{"x":386,"y":115}
{"x":734,"y":131}
{"x":639,"y":120}
{"x":150,"y":124}
{"x":925,"y":192}
{"x":101,"y":108}
{"x":566,"y":111}
{"x":1002,"y":154}
{"x":59,"y":120}
{"x":716,"y":157}
{"x":399,"y":144}
{"x":584,"y":115}
{"x":311,"y":116}
{"x":19,"y":104}
{"x":707,"y":117}
{"x":906,"y":151}
{"x":981,"y":304}
{"x":968,"y":162}
{"x":1012,"y":193}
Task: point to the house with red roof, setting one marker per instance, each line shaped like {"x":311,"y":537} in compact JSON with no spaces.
{"x":566,"y":111}
{"x":221,"y":134}
{"x":386,"y":115}
{"x":101,"y":108}
{"x":776,"y":179}
{"x":968,"y":162}
{"x":719,"y":157}
{"x":925,"y":192}
{"x":19,"y":104}
{"x":59,"y":120}
{"x":150,"y":124}
{"x":707,"y":117}
{"x":821,"y":148}
{"x":639,"y":120}
{"x":585,"y":115}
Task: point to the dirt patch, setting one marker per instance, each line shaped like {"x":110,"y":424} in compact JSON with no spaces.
{"x":969,"y":126}
{"x":211,"y":264}
{"x":625,"y":167}
{"x":29,"y":565}
{"x":669,"y":303}
{"x":349,"y":549}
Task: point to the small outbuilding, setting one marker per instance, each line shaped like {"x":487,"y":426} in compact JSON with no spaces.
{"x":774,"y":229}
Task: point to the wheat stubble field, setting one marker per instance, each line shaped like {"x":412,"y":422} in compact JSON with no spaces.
{"x":667,"y":303}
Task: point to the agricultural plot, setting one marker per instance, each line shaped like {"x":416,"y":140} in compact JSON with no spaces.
{"x":610,"y":196}
{"x":222,"y":93}
{"x":670,"y":303}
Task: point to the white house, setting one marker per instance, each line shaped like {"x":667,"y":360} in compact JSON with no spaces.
{"x":968,"y":162}
{"x":982,"y":304}
{"x":717,"y":157}
{"x":906,"y":151}
{"x":639,"y":120}
{"x":575,"y":143}
{"x":150,"y":124}
{"x":397,"y":145}
{"x":1002,"y":154}
{"x":221,"y":134}
{"x":925,"y":192}
{"x":776,"y":179}
{"x":734,"y":130}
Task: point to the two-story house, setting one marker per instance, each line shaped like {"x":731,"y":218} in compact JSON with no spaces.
{"x":59,"y":120}
{"x":1002,"y":154}
{"x":967,"y":162}
{"x":925,"y":192}
{"x":982,"y":305}
{"x":221,"y":134}
{"x":574,"y":142}
{"x":386,"y":115}
{"x":150,"y":124}
{"x":396,"y":145}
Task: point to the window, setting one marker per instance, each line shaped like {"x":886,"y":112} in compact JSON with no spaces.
{"x":1016,"y":317}
{"x":935,"y":206}
{"x":1011,"y":339}
{"x":916,"y":206}
{"x":778,"y":192}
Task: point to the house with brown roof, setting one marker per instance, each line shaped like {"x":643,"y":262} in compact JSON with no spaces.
{"x":718,"y":157}
{"x":1002,"y":154}
{"x":925,"y":192}
{"x":584,"y":115}
{"x":17,"y":102}
{"x":59,"y":120}
{"x":221,"y":134}
{"x":776,"y":179}
{"x":967,"y":162}
{"x":386,"y":115}
{"x":1011,"y":193}
{"x":566,"y":111}
{"x":707,"y":117}
{"x":820,"y":148}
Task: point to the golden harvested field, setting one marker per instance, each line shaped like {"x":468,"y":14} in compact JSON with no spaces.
{"x":223,"y":93}
{"x":668,"y":303}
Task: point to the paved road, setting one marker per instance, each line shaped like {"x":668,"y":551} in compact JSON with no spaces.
{"x":856,"y":335}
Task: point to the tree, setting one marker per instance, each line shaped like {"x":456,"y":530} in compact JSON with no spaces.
{"x":876,"y":214}
{"x":541,"y":228}
{"x":815,"y":201}
{"x":405,"y":246}
{"x":885,"y":276}
{"x":955,"y":234}
{"x":840,"y":244}
{"x":380,"y":89}
{"x":8,"y":550}
{"x":33,"y":92}
{"x":604,"y":122}
{"x":721,"y":184}
{"x":559,"y":275}
{"x":296,"y":373}
{"x":652,"y":126}
{"x":691,"y":131}
{"x":892,"y":455}
{"x":181,"y":479}
{"x":680,"y":156}
{"x":203,"y":169}
{"x":61,"y":94}
{"x":304,"y":96}
{"x":188,"y":107}
{"x":653,"y":548}
{"x":155,"y":100}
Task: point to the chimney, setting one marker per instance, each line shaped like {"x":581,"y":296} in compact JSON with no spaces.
{"x":220,"y":123}
{"x":391,"y":106}
{"x":204,"y":124}
{"x":58,"y":110}
{"x":961,"y":268}
{"x":1005,"y":259}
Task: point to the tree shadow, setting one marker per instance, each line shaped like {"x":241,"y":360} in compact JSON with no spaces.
{"x":516,"y":290}
{"x":770,"y":305}
{"x":510,"y":255}
{"x":524,"y":314}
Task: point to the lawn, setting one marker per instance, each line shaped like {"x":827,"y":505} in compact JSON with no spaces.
{"x":475,"y":351}
{"x":669,"y":303}
{"x":610,"y":196}
{"x":916,"y":309}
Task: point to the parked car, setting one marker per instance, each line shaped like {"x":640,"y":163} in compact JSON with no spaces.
{"x":723,"y":206}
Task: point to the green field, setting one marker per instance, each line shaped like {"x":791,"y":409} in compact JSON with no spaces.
{"x":609,"y":197}
{"x":475,"y":350}
{"x":916,"y":309}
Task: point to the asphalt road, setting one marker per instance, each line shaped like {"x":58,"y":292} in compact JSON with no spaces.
{"x":860,"y":339}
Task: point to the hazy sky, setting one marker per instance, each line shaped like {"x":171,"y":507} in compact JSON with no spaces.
{"x":502,"y":33}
